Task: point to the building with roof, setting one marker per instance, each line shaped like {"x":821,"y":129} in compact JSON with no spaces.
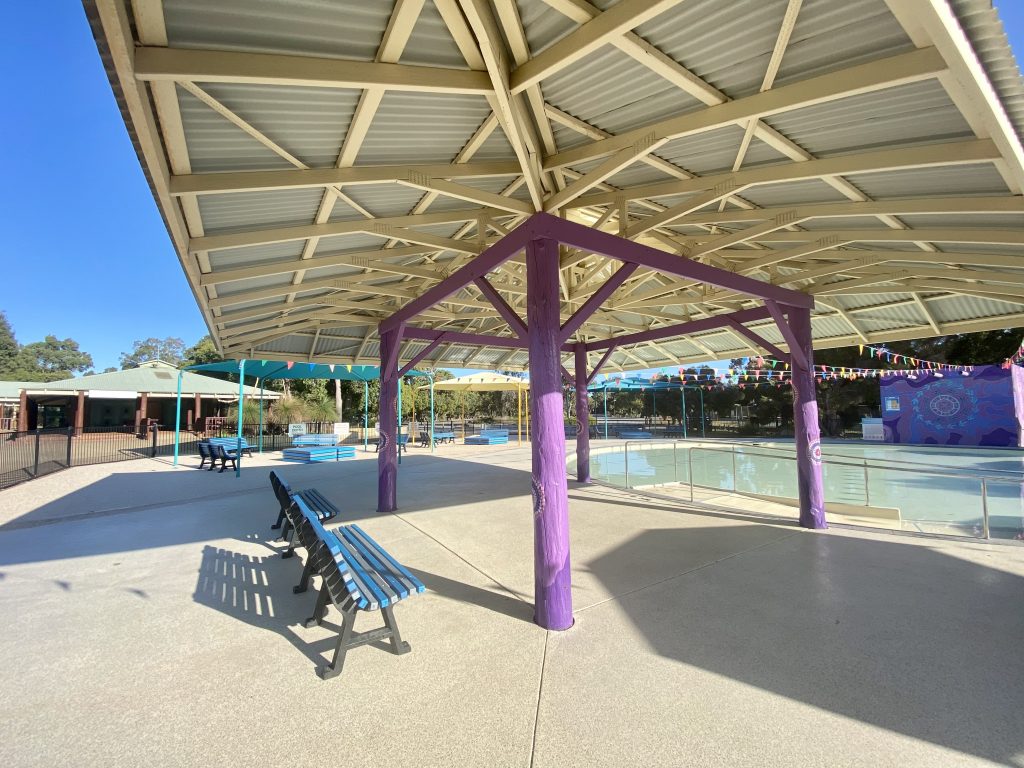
{"x":132,"y":397}
{"x":10,"y":400}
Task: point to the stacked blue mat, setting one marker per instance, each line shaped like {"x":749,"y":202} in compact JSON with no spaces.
{"x":320,"y":453}
{"x":489,"y":437}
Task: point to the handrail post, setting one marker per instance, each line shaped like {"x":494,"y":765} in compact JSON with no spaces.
{"x":867,"y":491}
{"x":675,"y":462}
{"x":625,"y":449}
{"x":35,"y":469}
{"x":735,"y":483}
{"x":984,"y":509}
{"x":71,"y":434}
{"x":689,"y":469}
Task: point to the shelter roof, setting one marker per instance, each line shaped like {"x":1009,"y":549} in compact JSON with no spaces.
{"x":320,"y":165}
{"x":154,"y":377}
{"x":483,"y":381}
{"x":276,"y":369}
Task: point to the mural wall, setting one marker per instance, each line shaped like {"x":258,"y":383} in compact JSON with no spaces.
{"x":976,"y":409}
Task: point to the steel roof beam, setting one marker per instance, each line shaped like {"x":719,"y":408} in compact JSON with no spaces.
{"x":211,"y":66}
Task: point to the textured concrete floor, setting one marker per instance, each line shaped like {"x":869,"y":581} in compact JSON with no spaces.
{"x":148,"y":619}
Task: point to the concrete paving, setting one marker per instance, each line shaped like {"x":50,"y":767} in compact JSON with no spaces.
{"x":149,"y":619}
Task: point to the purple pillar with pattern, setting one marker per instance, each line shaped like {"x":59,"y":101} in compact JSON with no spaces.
{"x":805,"y":423}
{"x":582,"y":415}
{"x":552,"y":582}
{"x":387,"y":456}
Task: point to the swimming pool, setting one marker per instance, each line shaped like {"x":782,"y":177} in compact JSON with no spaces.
{"x":932,"y":489}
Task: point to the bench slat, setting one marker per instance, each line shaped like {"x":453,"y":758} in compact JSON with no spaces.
{"x":398,"y":587}
{"x":389,"y":595}
{"x":416,"y":583}
{"x":371,"y":595}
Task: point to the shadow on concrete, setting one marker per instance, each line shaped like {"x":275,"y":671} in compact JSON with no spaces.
{"x":129,"y":511}
{"x":900,"y":636}
{"x":258,"y":591}
{"x":499,"y":602}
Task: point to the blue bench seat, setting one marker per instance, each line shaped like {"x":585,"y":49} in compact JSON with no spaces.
{"x":313,"y":499}
{"x":314,"y":439}
{"x":319,"y":453}
{"x":231,"y":444}
{"x":635,"y":434}
{"x":357,"y":575}
{"x":488,"y":437}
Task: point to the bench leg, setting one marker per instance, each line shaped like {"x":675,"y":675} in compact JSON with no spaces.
{"x":280,"y":519}
{"x":307,"y":574}
{"x":290,"y":537}
{"x":333,"y":669}
{"x":398,"y":646}
{"x":319,"y":610}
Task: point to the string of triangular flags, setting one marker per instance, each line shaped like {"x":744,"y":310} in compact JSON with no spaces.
{"x":289,"y":364}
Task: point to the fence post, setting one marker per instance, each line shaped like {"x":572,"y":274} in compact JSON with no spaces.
{"x":35,"y":470}
{"x":71,"y":434}
{"x":154,"y":429}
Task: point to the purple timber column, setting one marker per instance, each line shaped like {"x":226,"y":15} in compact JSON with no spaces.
{"x":552,"y":578}
{"x":387,"y":457}
{"x":582,"y":416}
{"x":805,"y":424}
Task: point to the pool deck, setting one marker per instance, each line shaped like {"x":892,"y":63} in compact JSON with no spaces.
{"x":150,"y":620}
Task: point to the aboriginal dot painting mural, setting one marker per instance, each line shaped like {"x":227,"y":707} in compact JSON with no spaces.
{"x":951,"y":408}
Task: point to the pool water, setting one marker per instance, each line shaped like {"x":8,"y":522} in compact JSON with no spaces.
{"x":930,"y":489}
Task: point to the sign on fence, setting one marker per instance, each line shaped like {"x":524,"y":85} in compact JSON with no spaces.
{"x":294,"y":430}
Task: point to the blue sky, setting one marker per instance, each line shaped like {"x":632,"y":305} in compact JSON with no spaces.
{"x":87,"y":253}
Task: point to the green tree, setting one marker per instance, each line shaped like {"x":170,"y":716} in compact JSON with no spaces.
{"x":170,"y":350}
{"x":203,"y":351}
{"x":8,"y":345}
{"x":50,"y":360}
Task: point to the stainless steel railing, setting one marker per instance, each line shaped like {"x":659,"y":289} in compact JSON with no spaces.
{"x":984,"y":477}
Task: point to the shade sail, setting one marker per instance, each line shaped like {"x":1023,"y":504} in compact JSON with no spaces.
{"x":483,"y":382}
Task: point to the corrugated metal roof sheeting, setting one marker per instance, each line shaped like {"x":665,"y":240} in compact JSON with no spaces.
{"x":638,"y":173}
{"x":915,"y":113}
{"x":615,"y":93}
{"x":859,"y":301}
{"x":991,"y":220}
{"x":310,"y":123}
{"x":348,"y":29}
{"x":343,"y":243}
{"x":495,"y":147}
{"x":978,"y":179}
{"x":830,"y":34}
{"x":430,"y":43}
{"x":566,"y":138}
{"x":214,"y":144}
{"x":716,"y":151}
{"x":968,"y":248}
{"x":253,"y":284}
{"x":232,"y":258}
{"x":421,"y":127}
{"x":542,"y":25}
{"x":956,"y":308}
{"x":843,"y":222}
{"x":898,"y":316}
{"x":385,"y":199}
{"x":726,"y":44}
{"x":791,"y":193}
{"x":239,"y":211}
{"x":980,"y":21}
{"x":323,"y":273}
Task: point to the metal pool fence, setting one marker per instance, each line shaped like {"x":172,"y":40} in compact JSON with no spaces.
{"x":980,"y":502}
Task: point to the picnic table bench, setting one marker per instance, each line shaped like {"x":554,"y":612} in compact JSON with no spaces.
{"x":358,"y":575}
{"x":488,"y":437}
{"x":231,"y":444}
{"x":403,"y":443}
{"x":439,"y":437}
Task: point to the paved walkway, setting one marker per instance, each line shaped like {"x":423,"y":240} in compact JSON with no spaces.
{"x":150,"y":620}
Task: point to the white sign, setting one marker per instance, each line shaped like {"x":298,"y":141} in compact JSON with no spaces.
{"x":294,"y":430}
{"x":341,"y":428}
{"x":872,"y":429}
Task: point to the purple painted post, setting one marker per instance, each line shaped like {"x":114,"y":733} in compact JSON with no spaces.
{"x":387,"y":456}
{"x":805,"y":423}
{"x":582,"y":416}
{"x":552,"y":578}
